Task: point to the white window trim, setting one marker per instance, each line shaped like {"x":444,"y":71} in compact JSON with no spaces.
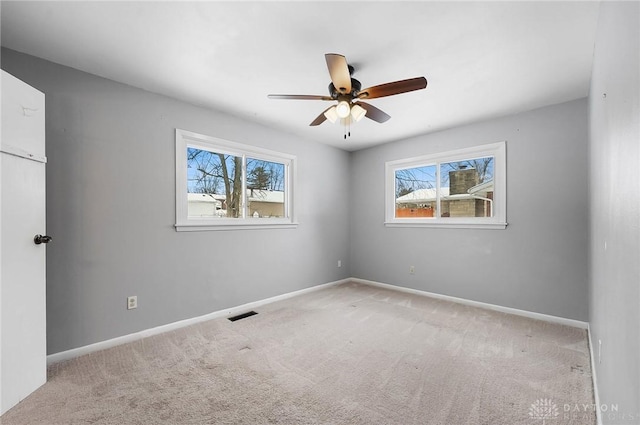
{"x":186,"y":139}
{"x":499,"y":219}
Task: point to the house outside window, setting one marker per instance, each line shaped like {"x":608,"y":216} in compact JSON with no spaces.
{"x":223,"y":185}
{"x":462,"y":188}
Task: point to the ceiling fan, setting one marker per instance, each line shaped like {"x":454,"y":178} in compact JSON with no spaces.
{"x":348,"y":92}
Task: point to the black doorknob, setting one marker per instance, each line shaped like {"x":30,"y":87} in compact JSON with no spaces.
{"x":38,"y":239}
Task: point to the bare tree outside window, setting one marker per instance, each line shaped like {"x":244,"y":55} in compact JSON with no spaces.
{"x":224,"y":185}
{"x":483,"y":166}
{"x":213,"y":173}
{"x":463,"y":188}
{"x":216,"y":174}
{"x":411,"y":179}
{"x":417,"y":195}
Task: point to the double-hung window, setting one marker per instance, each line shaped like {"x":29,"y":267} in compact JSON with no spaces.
{"x":464,"y":188}
{"x":223,"y":185}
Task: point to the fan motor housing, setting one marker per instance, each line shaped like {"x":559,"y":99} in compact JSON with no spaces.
{"x":355,"y":88}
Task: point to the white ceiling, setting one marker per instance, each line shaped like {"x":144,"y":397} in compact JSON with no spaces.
{"x":481,"y":59}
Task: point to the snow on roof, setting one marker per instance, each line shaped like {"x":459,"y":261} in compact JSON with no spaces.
{"x":421,"y":195}
{"x":254,"y":195}
{"x":205,"y":197}
{"x":266,"y":196}
{"x":482,"y":187}
{"x":429,"y":195}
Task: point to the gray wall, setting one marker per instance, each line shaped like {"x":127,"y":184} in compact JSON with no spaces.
{"x":538,"y":263}
{"x":111,"y":211}
{"x":614,"y":162}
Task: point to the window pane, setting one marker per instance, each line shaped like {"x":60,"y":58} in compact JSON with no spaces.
{"x":415,"y":192}
{"x":265,"y":189}
{"x":467,"y":188}
{"x":214,"y":184}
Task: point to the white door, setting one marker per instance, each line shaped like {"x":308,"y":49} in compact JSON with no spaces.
{"x":22,"y":262}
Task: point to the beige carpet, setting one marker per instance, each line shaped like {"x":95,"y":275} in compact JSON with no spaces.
{"x":349,"y":354}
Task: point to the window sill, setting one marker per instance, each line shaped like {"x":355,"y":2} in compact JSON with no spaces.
{"x":208,"y":227}
{"x":447,"y":225}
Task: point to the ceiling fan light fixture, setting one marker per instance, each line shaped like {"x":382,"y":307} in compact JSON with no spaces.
{"x":331,"y":114}
{"x":343,"y":109}
{"x":357,"y":112}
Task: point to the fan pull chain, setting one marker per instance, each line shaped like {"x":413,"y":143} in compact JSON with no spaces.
{"x":347,"y":130}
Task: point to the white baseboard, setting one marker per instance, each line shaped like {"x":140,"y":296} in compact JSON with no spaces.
{"x":517,"y":312}
{"x":75,"y":352}
{"x":69,"y":354}
{"x":596,"y":396}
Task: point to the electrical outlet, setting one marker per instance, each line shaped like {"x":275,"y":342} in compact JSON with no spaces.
{"x":412,"y":270}
{"x":132,"y":302}
{"x":339,"y":263}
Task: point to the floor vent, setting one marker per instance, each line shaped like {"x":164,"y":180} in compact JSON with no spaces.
{"x":242,"y":316}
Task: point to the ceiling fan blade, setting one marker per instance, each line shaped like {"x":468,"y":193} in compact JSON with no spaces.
{"x":339,"y":71}
{"x":397,"y":87}
{"x":299,"y":96}
{"x":320,"y":118}
{"x":374,"y":113}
